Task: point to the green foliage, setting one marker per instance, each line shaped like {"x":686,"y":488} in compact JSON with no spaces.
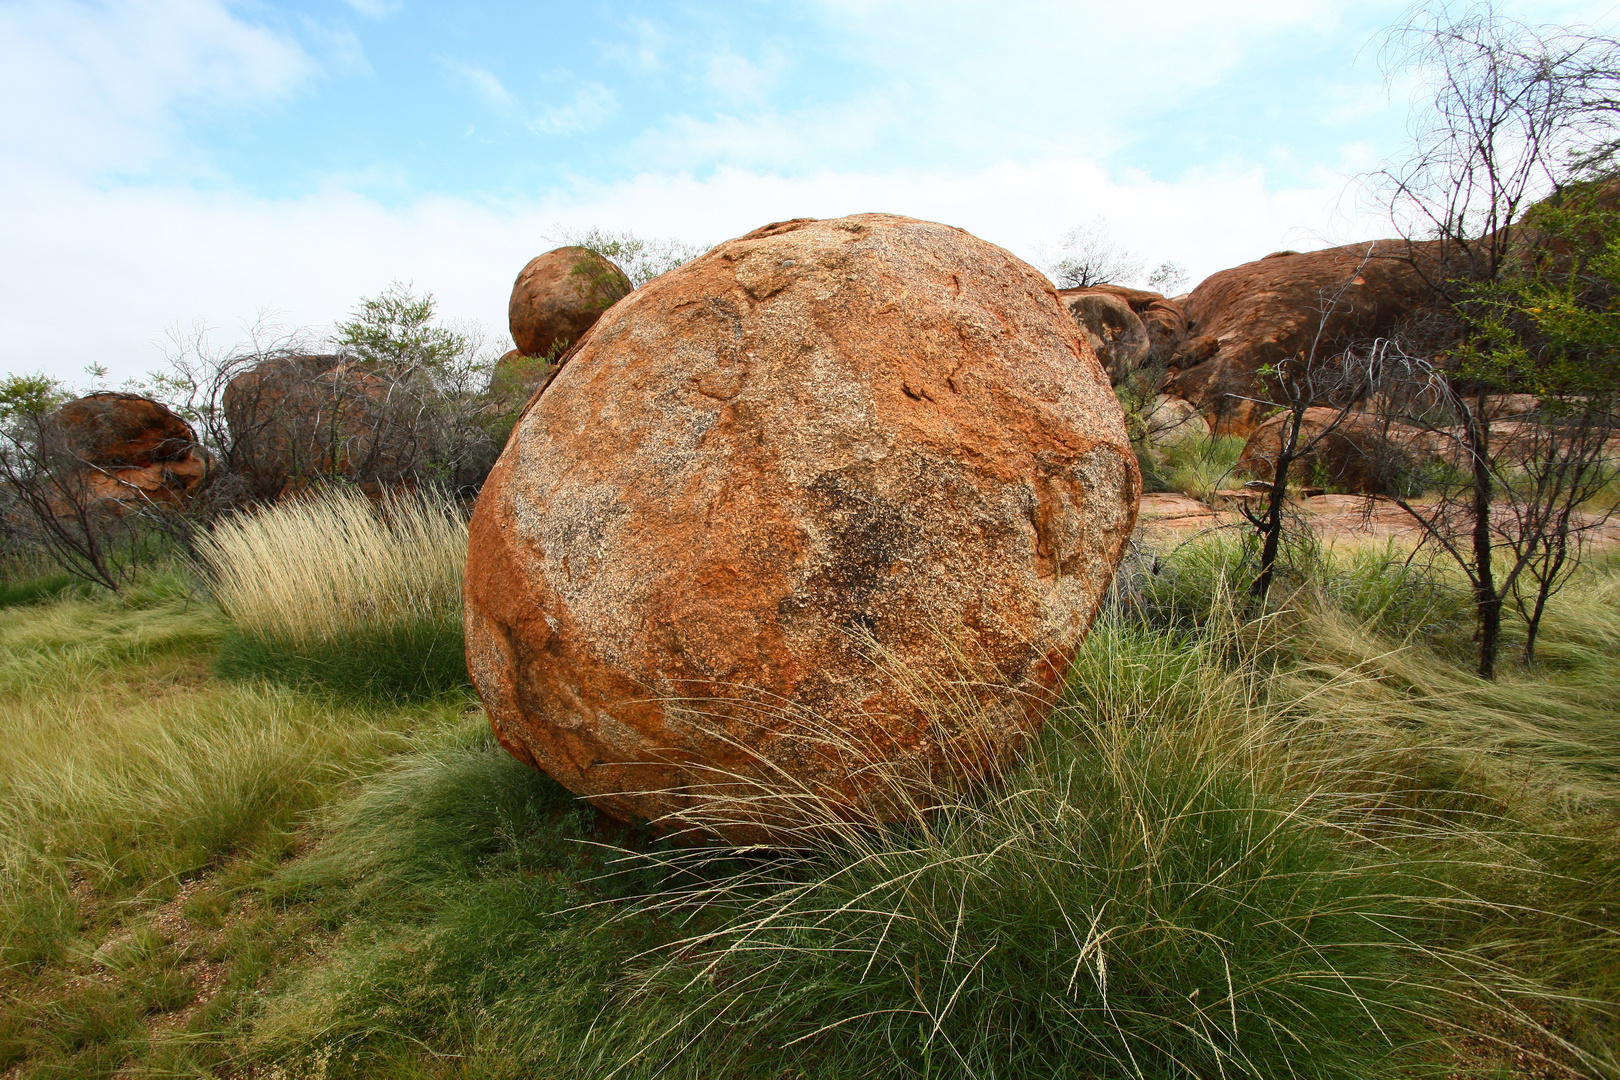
{"x":30,"y":396}
{"x":641,"y":258}
{"x":1307,"y":844}
{"x":1137,"y":902}
{"x":395,"y":327}
{"x":1549,"y":325}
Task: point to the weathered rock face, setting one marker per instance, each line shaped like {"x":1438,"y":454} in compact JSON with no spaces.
{"x":120,"y":429}
{"x":1361,"y":454}
{"x":124,"y":448}
{"x":1264,"y":312}
{"x":822,"y":440}
{"x":558,"y":296}
{"x":1114,"y":332}
{"x":296,"y":419}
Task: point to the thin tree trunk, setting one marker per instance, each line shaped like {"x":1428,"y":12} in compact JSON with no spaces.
{"x":1274,"y":506}
{"x":1487,"y":603}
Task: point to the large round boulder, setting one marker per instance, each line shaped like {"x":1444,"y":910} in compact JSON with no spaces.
{"x":558,"y":296}
{"x":825,"y":511}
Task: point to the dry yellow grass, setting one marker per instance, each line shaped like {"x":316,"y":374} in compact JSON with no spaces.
{"x":333,"y":563}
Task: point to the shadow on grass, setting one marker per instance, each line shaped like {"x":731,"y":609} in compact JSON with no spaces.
{"x":408,"y":661}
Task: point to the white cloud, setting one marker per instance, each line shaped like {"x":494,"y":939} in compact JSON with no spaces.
{"x":92,"y":86}
{"x":741,"y":80}
{"x":641,"y":49}
{"x":591,"y":105}
{"x":488,"y":86}
{"x":376,"y":9}
{"x":97,"y":275}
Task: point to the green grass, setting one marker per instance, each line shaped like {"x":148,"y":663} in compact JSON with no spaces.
{"x":1306,"y":843}
{"x":333,"y":590}
{"x":1199,"y":466}
{"x":129,"y":775}
{"x":413,"y":660}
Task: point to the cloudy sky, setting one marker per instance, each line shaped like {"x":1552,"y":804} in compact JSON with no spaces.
{"x":173,"y":164}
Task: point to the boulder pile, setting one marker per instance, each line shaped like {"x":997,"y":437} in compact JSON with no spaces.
{"x":820,"y":517}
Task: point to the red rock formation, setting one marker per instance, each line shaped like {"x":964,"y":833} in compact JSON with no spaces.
{"x":124,"y":448}
{"x":120,"y":429}
{"x":1361,"y":454}
{"x":823,"y":441}
{"x":1265,"y":312}
{"x":558,"y":296}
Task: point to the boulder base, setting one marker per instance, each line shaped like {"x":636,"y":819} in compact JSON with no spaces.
{"x":831,"y":505}
{"x":1361,"y":454}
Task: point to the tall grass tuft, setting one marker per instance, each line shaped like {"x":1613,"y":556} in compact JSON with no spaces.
{"x":1178,"y":881}
{"x":1198,"y":467}
{"x":334,"y":590}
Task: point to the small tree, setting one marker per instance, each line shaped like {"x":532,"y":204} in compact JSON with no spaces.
{"x":1518,"y":113}
{"x":1546,"y":327}
{"x":1089,"y":255}
{"x":1309,"y":380}
{"x":396,"y":327}
{"x":641,"y":258}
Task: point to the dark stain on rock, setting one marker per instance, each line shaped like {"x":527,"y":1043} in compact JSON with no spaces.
{"x":867,"y":537}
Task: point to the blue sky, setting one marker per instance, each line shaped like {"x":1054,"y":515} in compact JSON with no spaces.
{"x":167,"y":165}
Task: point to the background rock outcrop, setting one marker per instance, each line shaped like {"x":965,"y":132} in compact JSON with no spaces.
{"x":1264,"y":312}
{"x":300,"y":418}
{"x":817,"y":442}
{"x":124,"y":448}
{"x":558,"y":296}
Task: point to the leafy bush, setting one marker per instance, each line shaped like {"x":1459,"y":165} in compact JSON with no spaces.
{"x":334,"y":590}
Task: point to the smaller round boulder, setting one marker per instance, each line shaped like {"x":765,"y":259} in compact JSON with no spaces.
{"x":1114,"y":332}
{"x":116,"y":449}
{"x":559,"y":296}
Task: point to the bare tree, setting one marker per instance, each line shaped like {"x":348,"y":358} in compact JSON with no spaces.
{"x":1329,"y":390}
{"x":1518,"y":114}
{"x":1089,"y":255}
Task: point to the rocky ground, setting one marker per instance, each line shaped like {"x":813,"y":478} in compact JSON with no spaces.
{"x":1171,"y":517}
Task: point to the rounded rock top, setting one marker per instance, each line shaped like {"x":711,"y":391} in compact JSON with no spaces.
{"x":558,"y":296}
{"x":807,"y":528}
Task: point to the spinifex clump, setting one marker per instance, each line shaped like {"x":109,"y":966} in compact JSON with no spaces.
{"x":334,"y":589}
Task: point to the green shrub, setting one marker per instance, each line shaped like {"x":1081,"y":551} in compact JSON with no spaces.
{"x":335,"y":591}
